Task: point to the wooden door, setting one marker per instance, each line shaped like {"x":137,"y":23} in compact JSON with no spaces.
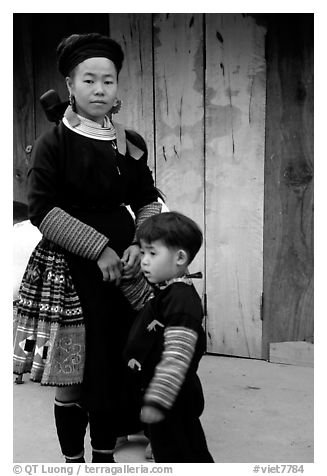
{"x":179,"y":117}
{"x":194,"y":86}
{"x":234,"y":178}
{"x":289,"y":192}
{"x":134,"y":33}
{"x":161,"y":86}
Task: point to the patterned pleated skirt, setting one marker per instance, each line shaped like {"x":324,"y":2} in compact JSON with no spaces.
{"x":50,"y":334}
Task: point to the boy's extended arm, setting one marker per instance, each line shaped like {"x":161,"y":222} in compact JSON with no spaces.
{"x":179,"y":346}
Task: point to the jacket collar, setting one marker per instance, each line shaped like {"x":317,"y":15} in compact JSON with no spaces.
{"x":123,"y":144}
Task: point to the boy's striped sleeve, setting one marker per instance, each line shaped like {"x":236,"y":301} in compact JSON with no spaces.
{"x":179,"y":347}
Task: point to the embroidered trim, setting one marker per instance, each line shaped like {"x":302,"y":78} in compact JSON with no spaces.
{"x":50,"y":333}
{"x":153,"y":325}
{"x":146,"y":212}
{"x":85,"y":127}
{"x":137,"y":291}
{"x":73,"y":458}
{"x":181,"y":279}
{"x":93,"y":130}
{"x":72,"y":235}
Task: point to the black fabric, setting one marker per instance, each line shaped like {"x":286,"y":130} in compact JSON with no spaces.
{"x":20,"y":212}
{"x":102,"y":429}
{"x":77,"y":48}
{"x":71,"y":423}
{"x":108,"y":317}
{"x":79,"y":175}
{"x":102,"y":457}
{"x":179,"y":438}
{"x":177,"y":305}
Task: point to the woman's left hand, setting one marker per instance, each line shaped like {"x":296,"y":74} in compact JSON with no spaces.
{"x":131,"y":261}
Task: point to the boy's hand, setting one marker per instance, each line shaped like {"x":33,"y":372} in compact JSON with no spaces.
{"x":131,"y":261}
{"x":151,"y":414}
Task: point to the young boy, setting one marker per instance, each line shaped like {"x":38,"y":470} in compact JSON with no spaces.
{"x":167,"y":341}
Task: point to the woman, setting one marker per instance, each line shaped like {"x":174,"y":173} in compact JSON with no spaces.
{"x":73,"y":312}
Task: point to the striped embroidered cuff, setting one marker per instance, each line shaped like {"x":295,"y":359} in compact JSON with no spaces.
{"x":170,"y":372}
{"x":72,"y":234}
{"x":145,"y":212}
{"x":137,"y":291}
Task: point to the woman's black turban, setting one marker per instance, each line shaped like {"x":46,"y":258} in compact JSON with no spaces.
{"x":77,"y":48}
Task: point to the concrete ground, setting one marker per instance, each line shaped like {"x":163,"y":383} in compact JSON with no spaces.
{"x":255,"y":412}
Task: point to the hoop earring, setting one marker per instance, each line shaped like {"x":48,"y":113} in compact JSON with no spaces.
{"x":116,"y":107}
{"x":72,"y":102}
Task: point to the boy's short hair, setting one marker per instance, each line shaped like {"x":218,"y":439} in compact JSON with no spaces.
{"x":174,"y":229}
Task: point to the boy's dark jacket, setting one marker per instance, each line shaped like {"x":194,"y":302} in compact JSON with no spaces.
{"x":168,"y":340}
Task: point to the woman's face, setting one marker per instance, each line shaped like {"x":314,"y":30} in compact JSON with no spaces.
{"x":94,"y":85}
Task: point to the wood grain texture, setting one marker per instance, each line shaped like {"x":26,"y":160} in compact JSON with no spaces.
{"x":134,"y":32}
{"x":179,"y":118}
{"x":235,"y":118}
{"x":288,"y":233}
{"x":292,"y":353}
{"x":23,"y":111}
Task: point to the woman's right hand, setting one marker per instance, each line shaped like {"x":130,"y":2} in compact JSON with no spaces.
{"x":110,"y":265}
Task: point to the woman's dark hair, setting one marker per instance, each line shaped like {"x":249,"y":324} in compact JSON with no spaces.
{"x":78,"y":47}
{"x":174,"y":229}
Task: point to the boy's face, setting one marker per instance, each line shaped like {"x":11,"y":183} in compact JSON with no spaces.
{"x":160,"y":263}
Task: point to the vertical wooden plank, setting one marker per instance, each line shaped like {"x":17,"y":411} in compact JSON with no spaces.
{"x":288,"y":233}
{"x":235,"y":118}
{"x":134,"y":32}
{"x":23,"y":111}
{"x":178,"y":53}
